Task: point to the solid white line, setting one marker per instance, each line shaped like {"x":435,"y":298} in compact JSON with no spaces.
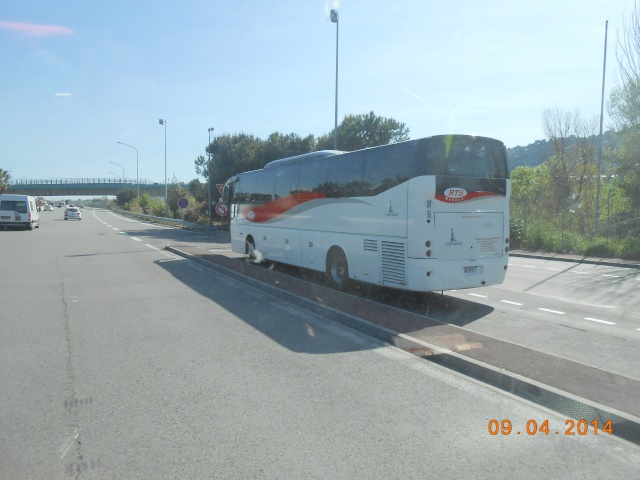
{"x":599,"y":321}
{"x":477,"y":295}
{"x":152,"y":247}
{"x":511,"y":303}
{"x":551,"y":311}
{"x":136,"y":239}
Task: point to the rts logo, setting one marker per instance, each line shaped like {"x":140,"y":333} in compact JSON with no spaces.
{"x":455,"y":194}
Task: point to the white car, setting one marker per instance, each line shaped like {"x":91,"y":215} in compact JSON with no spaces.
{"x":73,"y":212}
{"x":48,"y":208}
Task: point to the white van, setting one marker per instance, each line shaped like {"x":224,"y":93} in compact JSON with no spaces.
{"x":18,"y":210}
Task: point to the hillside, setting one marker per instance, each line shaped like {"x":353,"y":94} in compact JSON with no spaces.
{"x":538,"y":152}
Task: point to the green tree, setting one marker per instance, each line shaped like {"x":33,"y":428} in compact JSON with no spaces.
{"x":572,"y":168}
{"x":199,"y":190}
{"x":4,"y":180}
{"x":175,"y":192}
{"x":356,"y":132}
{"x":624,"y":109}
{"x":279,"y":145}
{"x":528,"y":188}
{"x":230,"y":154}
{"x":125,"y":196}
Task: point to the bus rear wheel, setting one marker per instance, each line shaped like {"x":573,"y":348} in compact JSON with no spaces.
{"x":337,"y":269}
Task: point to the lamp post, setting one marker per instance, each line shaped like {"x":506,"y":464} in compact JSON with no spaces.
{"x":166,"y":187}
{"x":114,"y":163}
{"x":137,"y":177}
{"x":209,"y":182}
{"x":334,"y":19}
{"x":599,"y":166}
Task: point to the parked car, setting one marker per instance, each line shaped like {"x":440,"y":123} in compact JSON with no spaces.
{"x":72,"y":212}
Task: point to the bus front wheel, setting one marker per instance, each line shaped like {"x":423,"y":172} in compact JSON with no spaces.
{"x":337,"y":269}
{"x":250,"y":248}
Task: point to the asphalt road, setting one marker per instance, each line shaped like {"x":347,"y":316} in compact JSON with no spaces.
{"x":120,"y":360}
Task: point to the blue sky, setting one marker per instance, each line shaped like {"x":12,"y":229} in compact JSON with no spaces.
{"x":78,"y":76}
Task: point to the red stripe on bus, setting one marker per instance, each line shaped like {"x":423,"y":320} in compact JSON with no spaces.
{"x":270,"y":210}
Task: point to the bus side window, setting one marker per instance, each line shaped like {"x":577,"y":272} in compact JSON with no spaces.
{"x":286,"y":181}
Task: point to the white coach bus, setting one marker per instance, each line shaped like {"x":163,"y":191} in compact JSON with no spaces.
{"x":423,"y":215}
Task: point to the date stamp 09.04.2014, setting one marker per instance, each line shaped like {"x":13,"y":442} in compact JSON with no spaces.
{"x":531,"y":427}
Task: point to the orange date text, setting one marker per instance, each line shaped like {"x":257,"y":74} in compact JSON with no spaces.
{"x":532,"y":427}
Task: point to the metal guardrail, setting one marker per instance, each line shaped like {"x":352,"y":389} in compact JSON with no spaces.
{"x":168,"y":221}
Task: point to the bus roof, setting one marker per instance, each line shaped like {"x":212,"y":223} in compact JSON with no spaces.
{"x":304,"y":156}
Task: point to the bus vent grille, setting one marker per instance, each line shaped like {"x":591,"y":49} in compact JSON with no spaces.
{"x":393,"y":267}
{"x":370,"y":245}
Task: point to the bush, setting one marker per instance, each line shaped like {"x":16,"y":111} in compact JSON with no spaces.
{"x":516,"y":233}
{"x":630,"y":248}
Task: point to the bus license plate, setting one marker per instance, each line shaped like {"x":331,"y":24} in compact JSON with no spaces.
{"x":5,"y":217}
{"x":473,"y":269}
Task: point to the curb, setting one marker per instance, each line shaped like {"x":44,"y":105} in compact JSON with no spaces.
{"x":625,"y":426}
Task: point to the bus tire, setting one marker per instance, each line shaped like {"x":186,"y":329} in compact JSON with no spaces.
{"x":337,"y":269}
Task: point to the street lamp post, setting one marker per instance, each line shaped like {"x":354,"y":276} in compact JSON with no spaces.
{"x":123,"y":177}
{"x":334,"y":19}
{"x":137,"y":177}
{"x":166,"y":187}
{"x":209,"y":182}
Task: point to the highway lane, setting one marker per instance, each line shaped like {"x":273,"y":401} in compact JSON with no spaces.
{"x":584,"y":313}
{"x":129,"y":362}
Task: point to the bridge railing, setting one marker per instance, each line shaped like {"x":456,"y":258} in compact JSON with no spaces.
{"x":76,"y":181}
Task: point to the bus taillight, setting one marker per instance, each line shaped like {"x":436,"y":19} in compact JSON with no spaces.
{"x":428,"y":253}
{"x":427,"y":243}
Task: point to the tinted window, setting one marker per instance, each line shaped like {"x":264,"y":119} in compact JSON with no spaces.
{"x":386,"y":167}
{"x":471,"y":157}
{"x":286,"y":180}
{"x":345,"y":177}
{"x":312,"y":176}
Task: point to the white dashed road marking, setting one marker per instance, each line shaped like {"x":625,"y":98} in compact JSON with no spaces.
{"x":512,"y":303}
{"x":599,"y":321}
{"x":551,"y":311}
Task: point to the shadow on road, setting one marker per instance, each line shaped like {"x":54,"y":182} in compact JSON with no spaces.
{"x":289,"y":326}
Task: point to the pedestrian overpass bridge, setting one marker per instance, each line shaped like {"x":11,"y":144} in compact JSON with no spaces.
{"x":62,"y":187}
